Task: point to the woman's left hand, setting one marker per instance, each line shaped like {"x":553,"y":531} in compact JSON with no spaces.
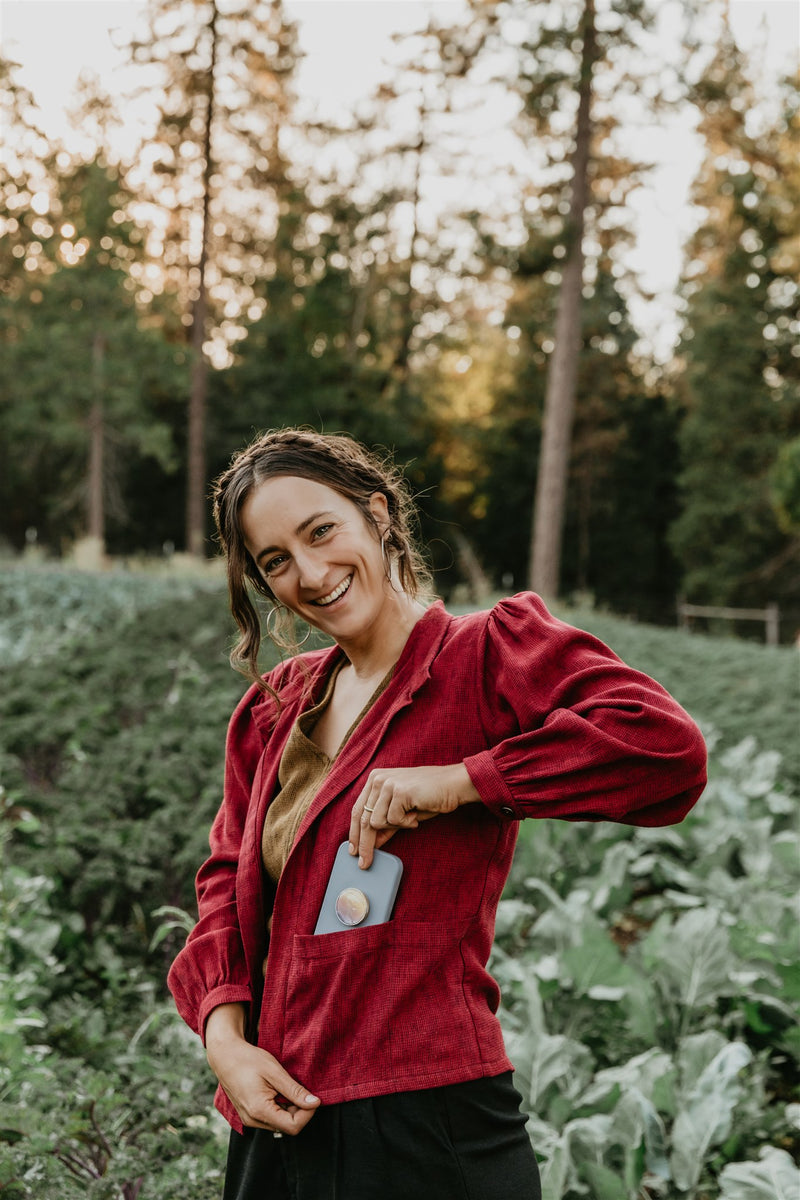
{"x":399,"y":798}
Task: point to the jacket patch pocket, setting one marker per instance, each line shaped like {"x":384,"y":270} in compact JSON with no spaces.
{"x":376,"y":1004}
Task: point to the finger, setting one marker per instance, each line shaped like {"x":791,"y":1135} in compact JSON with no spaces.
{"x":368,"y":816}
{"x":273,"y":1119}
{"x":354,"y":833}
{"x":385,"y":835}
{"x":366,"y":837}
{"x":400,"y":811}
{"x":287,"y":1091}
{"x":292,"y":1123}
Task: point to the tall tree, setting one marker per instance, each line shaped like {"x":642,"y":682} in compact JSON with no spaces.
{"x":559,"y":401}
{"x":409,"y":165}
{"x":575,"y":69}
{"x":741,"y":379}
{"x":218,"y":175}
{"x":79,"y":362}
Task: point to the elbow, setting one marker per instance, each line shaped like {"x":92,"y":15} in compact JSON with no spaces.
{"x":682,"y":778}
{"x":696,"y":758}
{"x":690,"y":773}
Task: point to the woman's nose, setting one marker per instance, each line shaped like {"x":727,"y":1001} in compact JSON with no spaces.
{"x":310,"y":571}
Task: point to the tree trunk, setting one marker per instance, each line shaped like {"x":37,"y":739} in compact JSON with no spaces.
{"x":95,"y":515}
{"x":559,"y":404}
{"x":196,"y":425}
{"x":400,"y":366}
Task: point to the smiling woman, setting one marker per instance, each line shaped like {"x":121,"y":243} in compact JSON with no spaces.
{"x":375,"y":1044}
{"x":343,"y":500}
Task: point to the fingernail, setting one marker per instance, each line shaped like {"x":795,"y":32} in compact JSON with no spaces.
{"x":361,"y":860}
{"x":351,"y":847}
{"x":312,"y":1099}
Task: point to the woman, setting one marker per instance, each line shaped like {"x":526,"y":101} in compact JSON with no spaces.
{"x":377,"y":1048}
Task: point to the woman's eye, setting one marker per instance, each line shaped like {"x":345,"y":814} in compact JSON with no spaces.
{"x":274,"y":564}
{"x":321,"y":530}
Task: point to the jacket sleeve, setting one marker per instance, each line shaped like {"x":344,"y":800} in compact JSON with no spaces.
{"x":585,"y":736}
{"x":211,"y":969}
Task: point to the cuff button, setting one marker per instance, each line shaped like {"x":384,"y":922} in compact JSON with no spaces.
{"x":507,"y":811}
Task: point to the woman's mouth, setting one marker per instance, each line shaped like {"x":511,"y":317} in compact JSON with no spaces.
{"x":336,"y":594}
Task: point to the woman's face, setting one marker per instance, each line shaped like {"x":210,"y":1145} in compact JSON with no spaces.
{"x":318,"y":554}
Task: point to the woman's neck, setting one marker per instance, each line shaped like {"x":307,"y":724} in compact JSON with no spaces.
{"x":376,"y":651}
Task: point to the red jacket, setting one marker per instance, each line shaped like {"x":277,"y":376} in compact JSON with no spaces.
{"x":549,"y":722}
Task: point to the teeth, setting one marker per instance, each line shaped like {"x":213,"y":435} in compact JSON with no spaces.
{"x":336,"y":593}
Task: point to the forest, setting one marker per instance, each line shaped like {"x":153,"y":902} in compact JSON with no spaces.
{"x":248,"y":264}
{"x":248,"y":267}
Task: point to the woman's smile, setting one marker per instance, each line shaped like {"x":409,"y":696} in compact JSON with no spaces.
{"x":340,"y":590}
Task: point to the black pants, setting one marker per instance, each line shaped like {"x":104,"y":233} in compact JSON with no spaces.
{"x":466,"y":1141}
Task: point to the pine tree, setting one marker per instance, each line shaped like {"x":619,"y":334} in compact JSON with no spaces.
{"x":78,"y":362}
{"x":741,"y":383}
{"x":575,"y":69}
{"x":218,"y":175}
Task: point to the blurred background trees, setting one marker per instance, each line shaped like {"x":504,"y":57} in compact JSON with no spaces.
{"x":248,"y":267}
{"x":740,"y":383}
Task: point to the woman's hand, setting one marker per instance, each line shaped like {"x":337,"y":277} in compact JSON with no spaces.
{"x":399,"y":798}
{"x":263,"y":1094}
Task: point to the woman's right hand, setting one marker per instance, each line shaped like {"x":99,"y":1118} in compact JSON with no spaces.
{"x":263,"y":1094}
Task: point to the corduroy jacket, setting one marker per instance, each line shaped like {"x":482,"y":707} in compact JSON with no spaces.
{"x":549,"y":723}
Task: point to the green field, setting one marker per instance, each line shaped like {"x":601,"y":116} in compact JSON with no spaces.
{"x":650,"y":977}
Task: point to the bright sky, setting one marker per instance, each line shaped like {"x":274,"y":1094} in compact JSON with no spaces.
{"x":54,"y":40}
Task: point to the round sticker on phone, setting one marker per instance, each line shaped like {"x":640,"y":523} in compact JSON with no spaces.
{"x":352,"y":906}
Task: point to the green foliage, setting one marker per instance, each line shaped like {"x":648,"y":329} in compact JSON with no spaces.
{"x":649,"y":976}
{"x":78,"y":362}
{"x":648,"y":992}
{"x":785,"y":482}
{"x":741,"y":385}
{"x":134,"y":684}
{"x":621,"y":494}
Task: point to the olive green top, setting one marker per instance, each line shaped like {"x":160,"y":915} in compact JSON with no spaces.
{"x":302,"y":772}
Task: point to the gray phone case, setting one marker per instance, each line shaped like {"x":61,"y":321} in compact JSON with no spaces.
{"x":378,"y":885}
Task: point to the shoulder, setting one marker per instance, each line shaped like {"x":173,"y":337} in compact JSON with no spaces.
{"x":523,"y":616}
{"x":520,"y":636}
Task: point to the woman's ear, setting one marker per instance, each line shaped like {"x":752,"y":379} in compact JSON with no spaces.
{"x":379,"y":507}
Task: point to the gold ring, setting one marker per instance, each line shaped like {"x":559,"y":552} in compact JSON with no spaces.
{"x":369,"y":810}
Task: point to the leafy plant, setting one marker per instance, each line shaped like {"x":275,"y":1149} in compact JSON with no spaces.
{"x":649,"y":1002}
{"x":650,"y":978}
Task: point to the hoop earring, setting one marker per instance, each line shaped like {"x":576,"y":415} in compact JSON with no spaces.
{"x":273,"y":612}
{"x":387,"y":562}
{"x":304,"y":639}
{"x":272,"y":634}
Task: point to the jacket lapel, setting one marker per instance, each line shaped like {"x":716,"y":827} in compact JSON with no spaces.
{"x":412,"y":671}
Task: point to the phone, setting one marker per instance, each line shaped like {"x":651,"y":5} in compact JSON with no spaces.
{"x":355,"y":898}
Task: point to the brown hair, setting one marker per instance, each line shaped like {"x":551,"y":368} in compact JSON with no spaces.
{"x":335,"y":460}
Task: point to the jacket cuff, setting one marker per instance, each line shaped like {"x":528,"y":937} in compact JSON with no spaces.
{"x":228,"y":993}
{"x":491,"y":786}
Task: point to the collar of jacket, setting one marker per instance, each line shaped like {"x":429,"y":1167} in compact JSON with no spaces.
{"x":303,"y":678}
{"x":305,"y":684}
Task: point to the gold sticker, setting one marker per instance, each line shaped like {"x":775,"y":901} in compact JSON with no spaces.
{"x":352,"y":906}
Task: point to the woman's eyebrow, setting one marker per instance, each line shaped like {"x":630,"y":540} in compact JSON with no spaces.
{"x":300,"y":529}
